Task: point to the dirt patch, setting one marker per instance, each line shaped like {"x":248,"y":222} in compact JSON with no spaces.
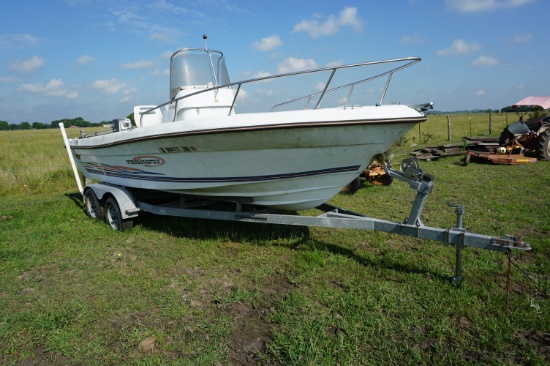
{"x":251,"y":329}
{"x":249,"y":334}
{"x":538,"y":340}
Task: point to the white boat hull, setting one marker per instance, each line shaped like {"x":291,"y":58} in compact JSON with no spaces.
{"x":288,"y":160}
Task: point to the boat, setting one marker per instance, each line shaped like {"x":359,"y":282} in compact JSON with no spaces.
{"x":197,"y":145}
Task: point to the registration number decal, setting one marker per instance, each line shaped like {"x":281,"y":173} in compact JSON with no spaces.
{"x":177,"y":149}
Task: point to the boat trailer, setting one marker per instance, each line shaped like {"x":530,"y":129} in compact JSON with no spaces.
{"x":119,"y":206}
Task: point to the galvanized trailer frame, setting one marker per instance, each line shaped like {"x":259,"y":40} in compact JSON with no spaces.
{"x":119,"y":205}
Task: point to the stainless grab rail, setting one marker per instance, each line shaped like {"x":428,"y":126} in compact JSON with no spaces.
{"x":409,"y":62}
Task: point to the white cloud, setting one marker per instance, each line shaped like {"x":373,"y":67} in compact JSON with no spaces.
{"x":167,"y":54}
{"x":261,"y":74}
{"x":141,"y":64}
{"x":335,"y":63}
{"x":161,"y":37}
{"x":243,"y":95}
{"x":9,"y":79}
{"x":266,"y":92}
{"x":85,"y":60}
{"x":320,"y":86}
{"x":292,"y":64}
{"x":54,"y":88}
{"x":348,"y":17}
{"x":414,"y":38}
{"x":157,"y":72}
{"x":460,"y":47}
{"x":111,"y":86}
{"x":25,"y":39}
{"x":18,"y":40}
{"x":166,"y":6}
{"x":128,"y":94}
{"x":481,"y":93}
{"x":30,"y":65}
{"x":126,"y":98}
{"x":268,"y":43}
{"x":317,"y":27}
{"x":476,"y":6}
{"x":522,"y":38}
{"x":485,"y":61}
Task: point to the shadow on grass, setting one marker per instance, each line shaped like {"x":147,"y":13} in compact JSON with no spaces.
{"x":380,"y":262}
{"x":76,"y":198}
{"x":294,"y":237}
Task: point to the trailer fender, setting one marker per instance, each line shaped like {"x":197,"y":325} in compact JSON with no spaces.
{"x":128,"y":208}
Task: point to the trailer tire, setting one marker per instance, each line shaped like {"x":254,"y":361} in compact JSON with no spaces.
{"x":92,"y":206}
{"x":354,"y":185}
{"x":543,"y":145}
{"x":113,"y":217}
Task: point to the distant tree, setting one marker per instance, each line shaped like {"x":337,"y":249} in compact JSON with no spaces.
{"x":24,"y":126}
{"x":39,"y":125}
{"x":14,"y":127}
{"x":4,"y":126}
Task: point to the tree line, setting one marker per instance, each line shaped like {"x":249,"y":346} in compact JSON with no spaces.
{"x":78,"y":122}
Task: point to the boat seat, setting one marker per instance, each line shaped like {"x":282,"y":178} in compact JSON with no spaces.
{"x":211,"y":103}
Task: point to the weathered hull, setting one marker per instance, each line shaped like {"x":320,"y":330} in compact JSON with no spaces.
{"x":291,"y":165}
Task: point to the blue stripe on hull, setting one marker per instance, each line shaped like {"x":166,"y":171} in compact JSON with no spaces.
{"x":138,"y":174}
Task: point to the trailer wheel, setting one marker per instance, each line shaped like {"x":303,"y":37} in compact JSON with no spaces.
{"x":543,"y":145}
{"x":93,"y":208}
{"x":113,"y":216}
{"x":354,"y":185}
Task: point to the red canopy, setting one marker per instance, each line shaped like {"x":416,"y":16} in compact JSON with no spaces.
{"x":544,"y":102}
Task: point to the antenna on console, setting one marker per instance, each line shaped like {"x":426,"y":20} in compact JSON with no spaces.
{"x":204,"y":36}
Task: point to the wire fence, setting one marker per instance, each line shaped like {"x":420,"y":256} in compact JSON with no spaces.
{"x":455,"y":127}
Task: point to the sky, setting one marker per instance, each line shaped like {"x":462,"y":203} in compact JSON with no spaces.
{"x":96,"y":59}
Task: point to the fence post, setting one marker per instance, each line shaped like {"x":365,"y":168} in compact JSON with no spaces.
{"x":448,"y":128}
{"x":490,"y":123}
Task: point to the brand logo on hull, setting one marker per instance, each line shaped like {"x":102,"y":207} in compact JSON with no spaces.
{"x":148,"y":161}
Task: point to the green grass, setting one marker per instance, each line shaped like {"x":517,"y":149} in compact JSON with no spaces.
{"x":220,"y":293}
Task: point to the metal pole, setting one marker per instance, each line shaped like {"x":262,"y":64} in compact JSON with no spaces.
{"x":448,"y":128}
{"x":458,"y":278}
{"x":325,"y":89}
{"x":71,"y":159}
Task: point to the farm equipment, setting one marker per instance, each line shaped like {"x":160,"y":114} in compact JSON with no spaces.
{"x":374,"y":173}
{"x":500,"y":156}
{"x":533,"y":135}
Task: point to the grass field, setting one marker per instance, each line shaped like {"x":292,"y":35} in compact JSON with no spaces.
{"x":177,"y":291}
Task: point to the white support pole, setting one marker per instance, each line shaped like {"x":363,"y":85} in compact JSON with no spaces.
{"x":71,"y":159}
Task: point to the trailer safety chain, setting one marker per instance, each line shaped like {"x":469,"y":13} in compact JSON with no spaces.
{"x":508,"y":281}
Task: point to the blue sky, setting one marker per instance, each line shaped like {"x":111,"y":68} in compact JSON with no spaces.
{"x":98,"y":58}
